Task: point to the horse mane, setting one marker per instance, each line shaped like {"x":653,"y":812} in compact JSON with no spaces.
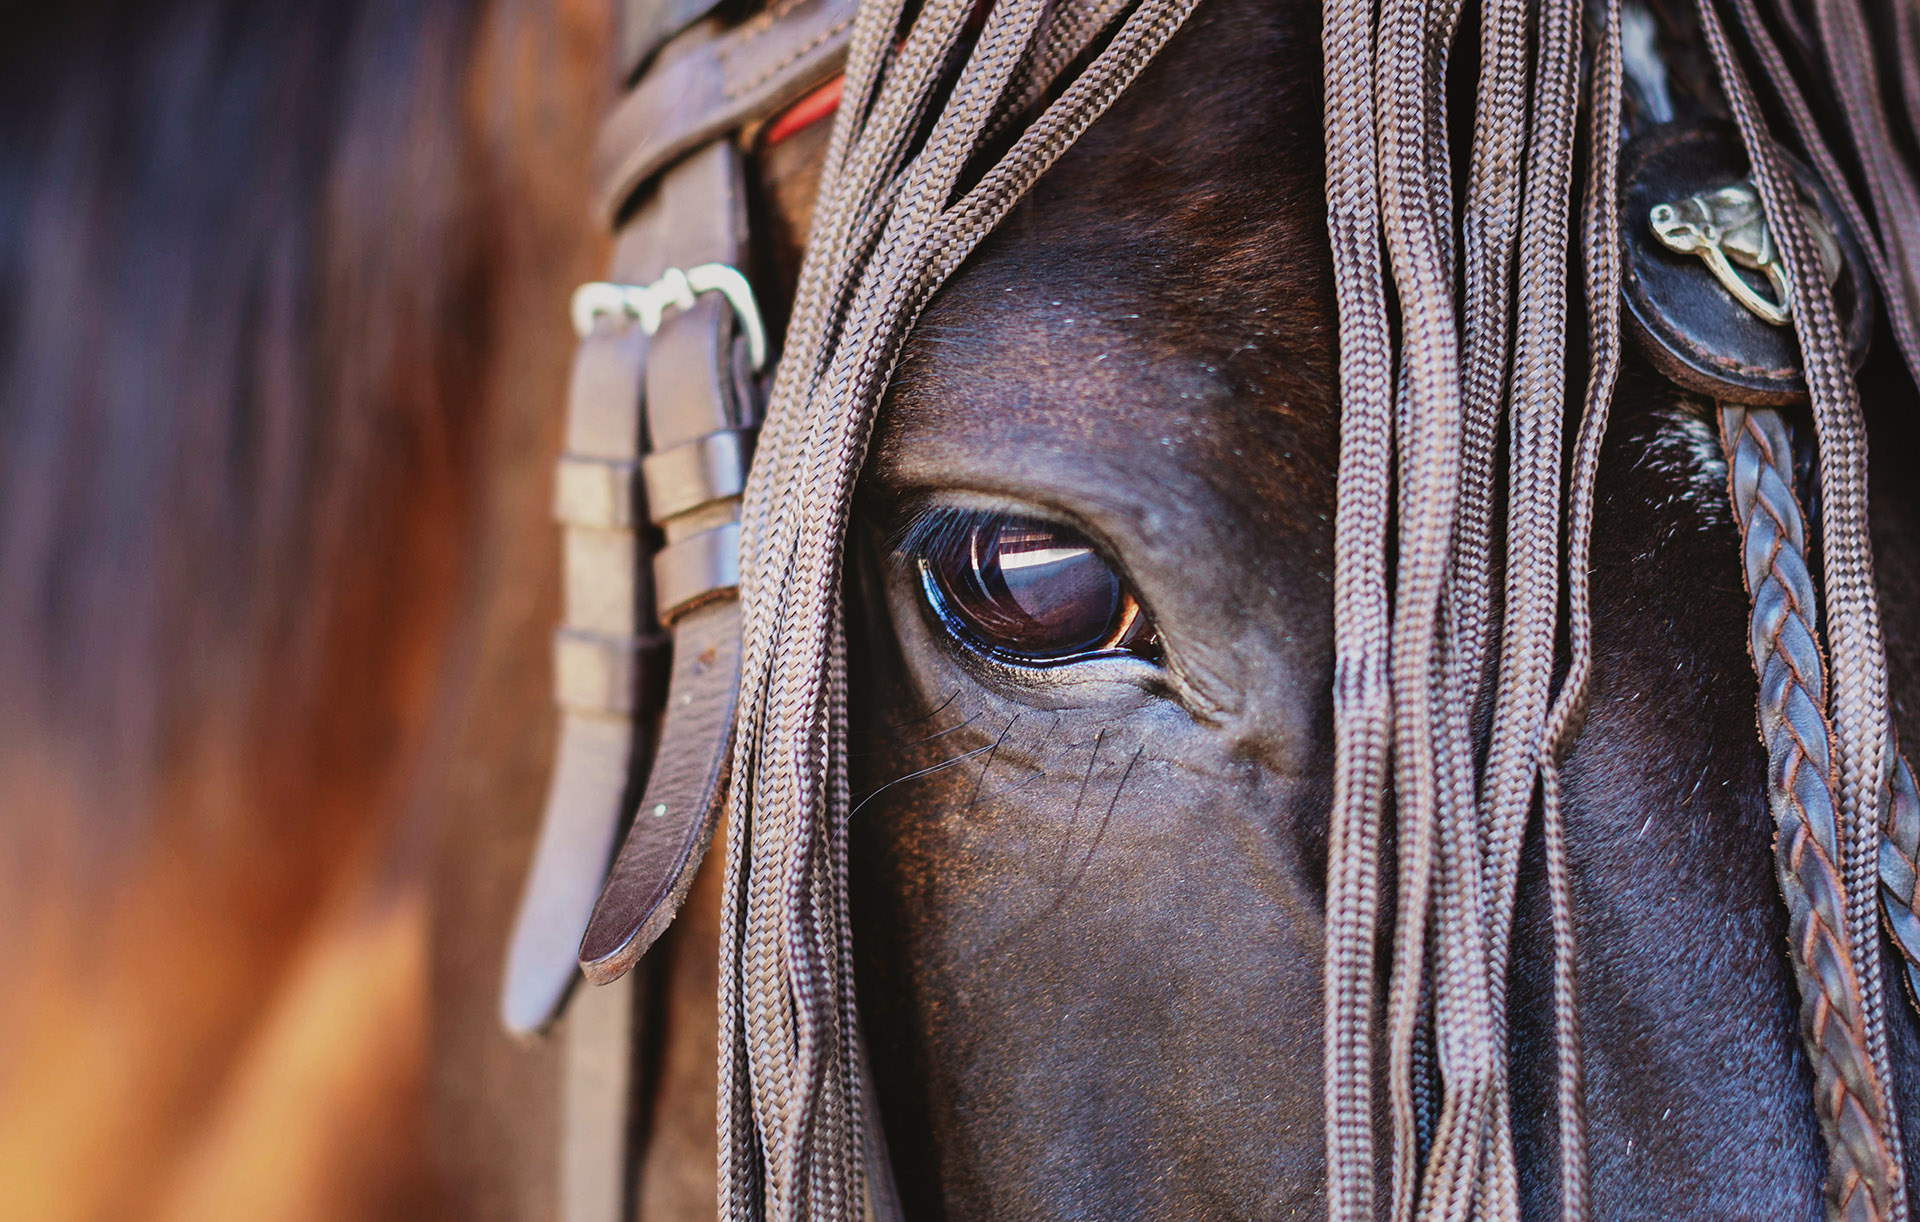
{"x":266,"y":273}
{"x":233,"y":359}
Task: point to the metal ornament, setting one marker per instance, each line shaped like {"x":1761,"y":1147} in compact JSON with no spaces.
{"x":1728,"y":226}
{"x":1706,"y":288}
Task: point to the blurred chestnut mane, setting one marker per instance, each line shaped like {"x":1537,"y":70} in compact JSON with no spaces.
{"x":278,"y":319}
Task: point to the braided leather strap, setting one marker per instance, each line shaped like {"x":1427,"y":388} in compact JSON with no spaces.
{"x":1861,"y":1174}
{"x":1900,"y":868}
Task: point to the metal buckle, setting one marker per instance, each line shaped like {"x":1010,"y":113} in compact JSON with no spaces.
{"x":647,"y":304}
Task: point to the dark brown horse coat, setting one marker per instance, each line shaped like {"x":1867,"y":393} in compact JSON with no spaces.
{"x":282,"y":345}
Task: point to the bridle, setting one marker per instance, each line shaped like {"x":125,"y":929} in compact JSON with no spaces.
{"x":702,"y":582}
{"x":662,"y":416}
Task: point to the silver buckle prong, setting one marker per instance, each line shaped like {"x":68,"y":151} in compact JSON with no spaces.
{"x":647,"y":304}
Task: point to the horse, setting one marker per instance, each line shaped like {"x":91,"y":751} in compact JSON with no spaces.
{"x":1135,"y":863}
{"x":1089,"y":848}
{"x":1089,"y":864}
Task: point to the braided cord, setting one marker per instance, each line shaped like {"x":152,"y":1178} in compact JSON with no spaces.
{"x":1410,"y":668}
{"x":1415,"y":226}
{"x":1601,"y":244}
{"x":892,"y":223}
{"x":1861,"y":749}
{"x":1900,"y":869}
{"x":1362,"y":692}
{"x":1862,"y":1176}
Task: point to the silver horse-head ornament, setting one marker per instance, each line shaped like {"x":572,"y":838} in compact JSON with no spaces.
{"x":1728,"y":226}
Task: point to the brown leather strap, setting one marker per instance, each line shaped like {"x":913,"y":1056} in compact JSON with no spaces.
{"x":597,"y":1096}
{"x":577,"y":836}
{"x":676,"y":818}
{"x":699,"y":397}
{"x":701,"y":91}
{"x":647,"y":25}
{"x":605,"y":660}
{"x":709,"y":468}
{"x":630,"y":392}
{"x":1850,"y":1098}
{"x":679,"y":406}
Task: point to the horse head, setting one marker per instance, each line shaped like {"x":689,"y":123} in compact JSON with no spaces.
{"x":1089,"y":668}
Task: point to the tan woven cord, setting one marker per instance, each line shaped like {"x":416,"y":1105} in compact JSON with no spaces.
{"x":1858,"y":689}
{"x":1429,"y":426}
{"x":1418,"y":429}
{"x":888,"y":230}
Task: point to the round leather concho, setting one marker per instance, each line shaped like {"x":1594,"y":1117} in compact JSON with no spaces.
{"x":1691,"y":326}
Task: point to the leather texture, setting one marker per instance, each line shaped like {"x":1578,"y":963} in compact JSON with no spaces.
{"x":698,"y":472}
{"x":1690,"y":327}
{"x":687,"y":389}
{"x":700,"y":93}
{"x":629,"y":392}
{"x":691,"y":571}
{"x":698,"y":387}
{"x":1850,"y":1100}
{"x":692,"y":389}
{"x":576,"y":839}
{"x":674,"y":824}
{"x":606,"y":659}
{"x":692,"y":216}
{"x":647,"y":25}
{"x":598,"y":1085}
{"x":1900,"y":869}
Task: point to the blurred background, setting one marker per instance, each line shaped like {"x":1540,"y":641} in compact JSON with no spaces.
{"x":282,"y":351}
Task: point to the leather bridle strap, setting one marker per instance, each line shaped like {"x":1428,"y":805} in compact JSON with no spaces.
{"x":659,"y":431}
{"x":1785,"y":645}
{"x":645,"y":26}
{"x":661,"y":414}
{"x":700,"y":417}
{"x":698,"y":94}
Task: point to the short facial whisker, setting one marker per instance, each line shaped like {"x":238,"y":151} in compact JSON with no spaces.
{"x":890,"y":748}
{"x":916,"y":775}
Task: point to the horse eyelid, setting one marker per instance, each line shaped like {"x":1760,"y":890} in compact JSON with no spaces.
{"x":938,"y":531}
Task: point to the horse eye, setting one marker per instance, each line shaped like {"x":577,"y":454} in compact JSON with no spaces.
{"x":1027,"y":590}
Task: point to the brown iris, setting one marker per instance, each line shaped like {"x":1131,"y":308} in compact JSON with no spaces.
{"x":1025,"y":589}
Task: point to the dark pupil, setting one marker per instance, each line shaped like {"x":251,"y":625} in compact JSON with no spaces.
{"x":1028,"y":587}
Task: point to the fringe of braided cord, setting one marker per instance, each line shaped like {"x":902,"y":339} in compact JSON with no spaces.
{"x":1862,"y":1176}
{"x":897,"y":215}
{"x":1410,"y":666}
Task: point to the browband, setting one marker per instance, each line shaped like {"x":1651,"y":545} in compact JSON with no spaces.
{"x":707,"y":90}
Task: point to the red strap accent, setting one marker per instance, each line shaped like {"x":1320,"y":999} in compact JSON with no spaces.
{"x":809,"y":110}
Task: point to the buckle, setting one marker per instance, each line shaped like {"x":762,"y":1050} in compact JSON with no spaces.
{"x":646,"y":304}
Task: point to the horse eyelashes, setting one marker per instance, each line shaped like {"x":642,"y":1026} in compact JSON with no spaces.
{"x":1024,"y":590}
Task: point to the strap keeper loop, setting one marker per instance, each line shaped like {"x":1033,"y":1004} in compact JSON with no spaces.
{"x":696,"y":570}
{"x":597,"y":492}
{"x":698,"y":472}
{"x":607,"y":675}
